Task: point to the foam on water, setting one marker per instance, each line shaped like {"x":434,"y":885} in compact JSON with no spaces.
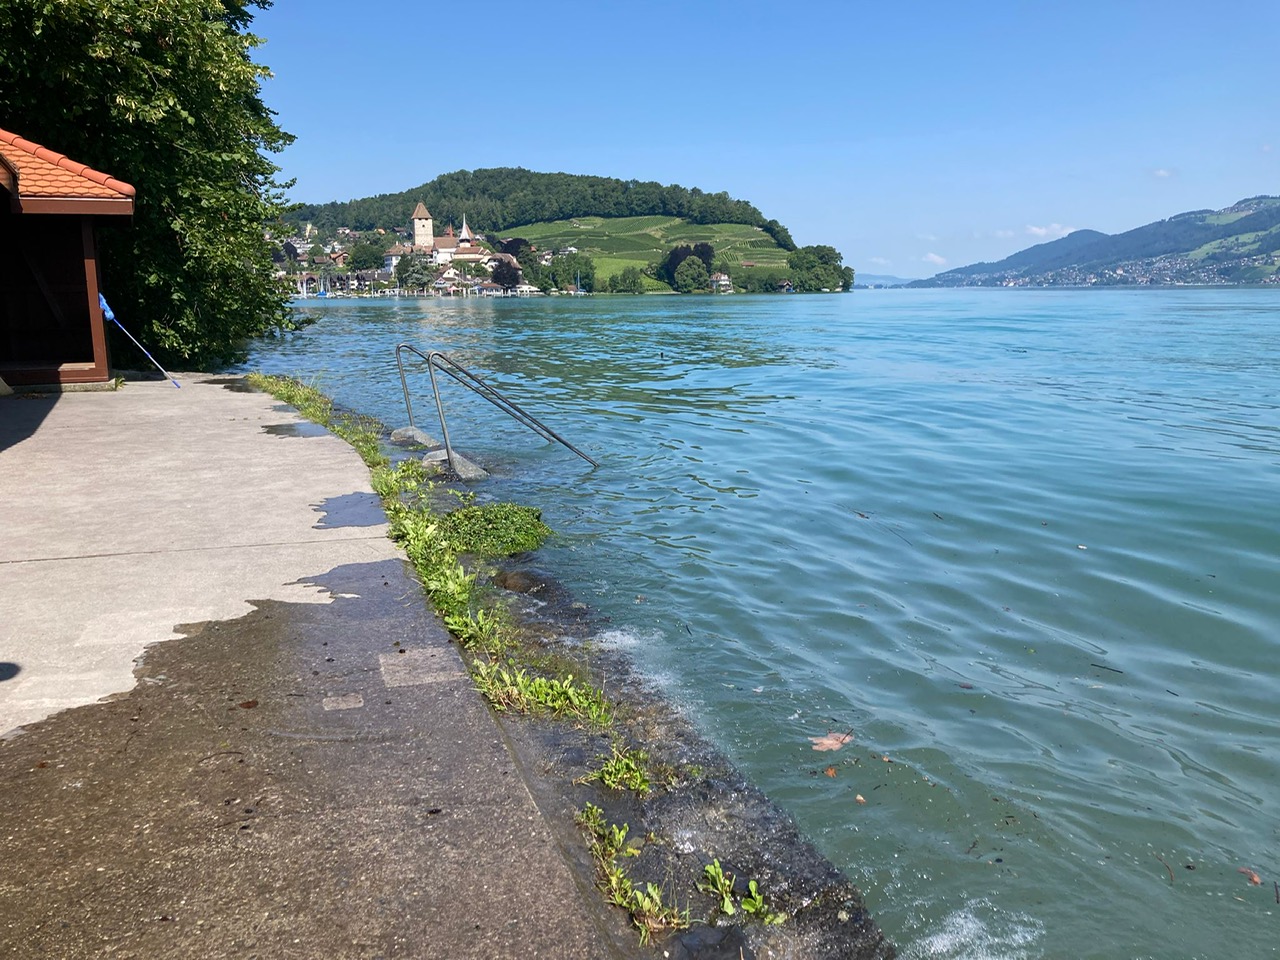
{"x":977,"y":931}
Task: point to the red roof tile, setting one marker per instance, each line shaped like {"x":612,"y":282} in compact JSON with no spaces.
{"x":46,"y":174}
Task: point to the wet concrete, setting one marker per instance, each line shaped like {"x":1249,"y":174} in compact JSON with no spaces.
{"x":303,"y":781}
{"x":304,"y":769}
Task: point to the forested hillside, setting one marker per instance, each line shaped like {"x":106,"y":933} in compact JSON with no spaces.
{"x":501,"y":199}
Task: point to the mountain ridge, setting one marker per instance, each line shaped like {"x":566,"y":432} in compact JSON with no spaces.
{"x":1237,"y":244}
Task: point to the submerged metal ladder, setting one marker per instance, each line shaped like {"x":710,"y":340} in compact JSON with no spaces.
{"x":439,"y":361}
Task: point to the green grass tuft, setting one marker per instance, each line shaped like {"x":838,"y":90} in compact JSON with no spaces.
{"x":494,"y":529}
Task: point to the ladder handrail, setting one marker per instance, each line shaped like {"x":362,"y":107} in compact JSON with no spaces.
{"x":437,"y":360}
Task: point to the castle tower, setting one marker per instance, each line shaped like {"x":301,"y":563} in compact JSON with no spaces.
{"x":422,"y":229}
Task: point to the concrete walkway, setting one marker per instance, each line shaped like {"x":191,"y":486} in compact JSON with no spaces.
{"x":307,"y":772}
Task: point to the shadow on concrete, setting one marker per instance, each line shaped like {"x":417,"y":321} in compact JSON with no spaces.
{"x":350,"y":510}
{"x":21,"y":415}
{"x":234,"y":384}
{"x":302,"y":428}
{"x":8,"y":670}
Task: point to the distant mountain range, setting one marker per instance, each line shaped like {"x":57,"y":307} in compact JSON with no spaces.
{"x":880,"y":280}
{"x":1240,"y":244}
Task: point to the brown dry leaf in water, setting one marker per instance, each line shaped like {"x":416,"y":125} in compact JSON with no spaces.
{"x":1251,"y":875}
{"x":830,"y":771}
{"x":831,"y":741}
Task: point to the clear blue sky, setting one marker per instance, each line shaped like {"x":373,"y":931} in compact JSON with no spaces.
{"x":913,"y":137}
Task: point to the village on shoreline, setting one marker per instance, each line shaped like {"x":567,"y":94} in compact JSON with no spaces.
{"x":418,"y":261}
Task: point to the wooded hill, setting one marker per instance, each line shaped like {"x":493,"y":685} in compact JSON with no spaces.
{"x":1239,"y":244}
{"x":500,"y":200}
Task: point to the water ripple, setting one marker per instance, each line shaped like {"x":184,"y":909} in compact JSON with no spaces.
{"x":1022,"y":544}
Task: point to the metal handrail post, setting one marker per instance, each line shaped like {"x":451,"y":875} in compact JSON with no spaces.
{"x":404,"y":384}
{"x":444,"y":428}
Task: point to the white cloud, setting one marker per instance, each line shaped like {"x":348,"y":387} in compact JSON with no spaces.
{"x":1052,"y":231}
{"x":1004,"y":234}
{"x":1163,"y":173}
{"x":881,"y":262}
{"x":936,"y":260}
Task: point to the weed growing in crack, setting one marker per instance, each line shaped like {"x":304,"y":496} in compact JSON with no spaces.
{"x":624,"y":770}
{"x":718,"y":884}
{"x":522,"y":692}
{"x":645,"y":904}
{"x":754,"y":905}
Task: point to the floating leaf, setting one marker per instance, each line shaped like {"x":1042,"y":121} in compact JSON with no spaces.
{"x":249,"y":704}
{"x":831,"y":741}
{"x":859,"y":799}
{"x":1251,"y":875}
{"x":830,"y":771}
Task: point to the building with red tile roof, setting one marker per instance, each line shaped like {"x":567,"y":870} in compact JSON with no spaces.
{"x":51,"y":326}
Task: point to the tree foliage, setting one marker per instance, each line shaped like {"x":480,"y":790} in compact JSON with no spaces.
{"x":759,"y":280}
{"x":691,"y":276}
{"x":819,"y":268}
{"x":506,"y":274}
{"x":516,"y":246}
{"x":630,"y":280}
{"x":163,"y":94}
{"x":706,"y":253}
{"x":413,"y":272}
{"x":504,"y":198}
{"x":572,"y":270}
{"x":365,"y":256}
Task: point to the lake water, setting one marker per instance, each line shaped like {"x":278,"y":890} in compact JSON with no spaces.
{"x":1023,"y":544}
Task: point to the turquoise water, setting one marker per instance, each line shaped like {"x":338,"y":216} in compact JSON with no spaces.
{"x":1023,"y":544}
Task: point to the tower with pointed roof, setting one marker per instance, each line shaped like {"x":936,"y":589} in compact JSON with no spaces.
{"x":422,"y":228}
{"x":464,"y":236}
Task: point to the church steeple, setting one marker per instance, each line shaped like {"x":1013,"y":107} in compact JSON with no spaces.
{"x":464,"y":236}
